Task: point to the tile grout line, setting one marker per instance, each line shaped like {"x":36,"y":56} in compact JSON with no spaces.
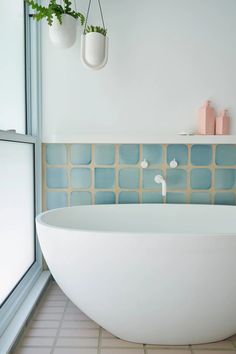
{"x":233,"y":343}
{"x":212,"y":191}
{"x":60,"y":325}
{"x":99,"y":341}
{"x":69,"y":169}
{"x":116,"y":167}
{"x":140,"y":189}
{"x":92,"y":172}
{"x":44,"y":172}
{"x":164,"y":167}
{"x":145,"y":349}
{"x":188,"y":172}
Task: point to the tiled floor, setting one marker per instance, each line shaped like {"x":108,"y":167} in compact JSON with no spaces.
{"x":59,"y":327}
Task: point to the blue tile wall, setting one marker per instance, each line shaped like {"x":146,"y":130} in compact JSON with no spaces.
{"x":226,"y":155}
{"x":104,"y":154}
{"x":80,"y":198}
{"x":176,"y":178}
{"x":104,"y":178}
{"x":57,"y":177}
{"x":179,"y":152}
{"x":105,"y":198}
{"x":56,"y":154}
{"x":200,"y":198}
{"x":153,"y":153}
{"x":200,"y":178}
{"x":176,"y":198}
{"x":82,"y":174}
{"x":81,"y":178}
{"x":56,"y":200}
{"x":152,"y":197}
{"x":148,"y":178}
{"x":129,"y":154}
{"x":129,"y":178}
{"x":225,"y":198}
{"x":201,"y":155}
{"x":224,"y":178}
{"x":81,"y":154}
{"x":128,"y":198}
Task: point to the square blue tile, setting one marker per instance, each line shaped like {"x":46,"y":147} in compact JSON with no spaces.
{"x":152,"y":197}
{"x":56,"y":177}
{"x":80,"y":198}
{"x":226,"y":154}
{"x":152,"y":153}
{"x":200,"y":178}
{"x":129,"y":154}
{"x":176,"y":198}
{"x":128,"y":198}
{"x":225,"y":198}
{"x":129,"y":178}
{"x":81,"y":178}
{"x":81,"y":154}
{"x":176,"y":179}
{"x":200,"y":198}
{"x":104,"y":154}
{"x":179,"y":152}
{"x":201,"y":155}
{"x":224,"y":178}
{"x":148,"y":178}
{"x":56,"y":200}
{"x":105,"y":198}
{"x":56,"y":154}
{"x":104,"y":178}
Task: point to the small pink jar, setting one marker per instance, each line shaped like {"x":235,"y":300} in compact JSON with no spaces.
{"x":223,"y":123}
{"x":206,"y":119}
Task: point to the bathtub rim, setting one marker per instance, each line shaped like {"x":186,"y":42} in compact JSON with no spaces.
{"x":39,"y":220}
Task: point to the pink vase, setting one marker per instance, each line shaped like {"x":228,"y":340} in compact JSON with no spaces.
{"x":222,"y":123}
{"x":206,"y":119}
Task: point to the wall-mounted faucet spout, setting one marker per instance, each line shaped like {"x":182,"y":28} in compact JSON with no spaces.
{"x":159,"y":179}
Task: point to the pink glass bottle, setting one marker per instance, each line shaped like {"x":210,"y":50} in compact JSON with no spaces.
{"x":206,"y":119}
{"x":223,"y":123}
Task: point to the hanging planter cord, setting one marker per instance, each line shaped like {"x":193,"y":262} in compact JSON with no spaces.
{"x":87,"y":15}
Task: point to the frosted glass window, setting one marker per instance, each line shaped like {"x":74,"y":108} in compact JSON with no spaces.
{"x":12,"y":66}
{"x":16,"y":213}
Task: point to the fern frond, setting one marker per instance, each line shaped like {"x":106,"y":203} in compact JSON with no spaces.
{"x":97,"y":29}
{"x":54,"y":9}
{"x":67,"y":4}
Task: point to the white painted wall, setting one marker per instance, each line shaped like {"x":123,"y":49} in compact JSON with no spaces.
{"x":166,"y":57}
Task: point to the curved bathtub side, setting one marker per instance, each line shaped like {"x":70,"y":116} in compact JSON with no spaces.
{"x":148,"y":288}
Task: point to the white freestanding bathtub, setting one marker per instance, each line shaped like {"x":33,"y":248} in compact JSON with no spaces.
{"x":161,"y":274}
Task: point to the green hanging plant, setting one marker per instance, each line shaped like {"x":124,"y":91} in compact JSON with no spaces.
{"x":56,"y":9}
{"x":98,"y":29}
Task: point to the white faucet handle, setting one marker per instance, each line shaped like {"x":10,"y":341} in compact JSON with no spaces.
{"x":144,"y":163}
{"x":158,"y":179}
{"x":173,"y":163}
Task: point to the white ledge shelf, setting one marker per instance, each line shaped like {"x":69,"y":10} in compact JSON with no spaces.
{"x":162,"y":139}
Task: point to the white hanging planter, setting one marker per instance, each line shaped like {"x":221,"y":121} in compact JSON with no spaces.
{"x":94,"y":50}
{"x":63,"y":35}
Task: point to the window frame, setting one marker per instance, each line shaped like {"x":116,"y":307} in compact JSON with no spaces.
{"x":32,"y":87}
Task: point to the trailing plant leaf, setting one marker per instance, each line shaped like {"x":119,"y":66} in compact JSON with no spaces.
{"x":77,"y":15}
{"x":67,"y":5}
{"x":98,"y":29}
{"x":54,"y":9}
